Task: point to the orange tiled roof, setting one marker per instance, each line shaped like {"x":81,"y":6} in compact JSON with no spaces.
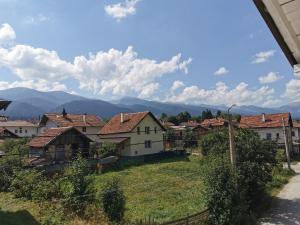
{"x":74,"y":120}
{"x":215,"y":122}
{"x":271,"y":120}
{"x":296,"y":124}
{"x":131,"y":120}
{"x":191,"y":123}
{"x":48,"y":136}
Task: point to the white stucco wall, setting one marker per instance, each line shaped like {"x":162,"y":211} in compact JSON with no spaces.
{"x":137,"y":141}
{"x":273,"y":131}
{"x":26,"y":130}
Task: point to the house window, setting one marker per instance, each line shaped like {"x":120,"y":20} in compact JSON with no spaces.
{"x":25,"y":131}
{"x":155,"y":130}
{"x":269,"y":136}
{"x":147,"y":130}
{"x":277,"y":136}
{"x":16,"y":131}
{"x":293,"y":133}
{"x":20,"y":130}
{"x":138,"y":130}
{"x":84,"y":129}
{"x":147,"y":144}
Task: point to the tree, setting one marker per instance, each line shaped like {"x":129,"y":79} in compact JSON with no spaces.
{"x":219,"y":113}
{"x":255,"y":163}
{"x":113,"y":200}
{"x":184,"y":117}
{"x":107,"y":149}
{"x":189,"y":139}
{"x":164,"y":116}
{"x":173,"y":119}
{"x":207,"y":114}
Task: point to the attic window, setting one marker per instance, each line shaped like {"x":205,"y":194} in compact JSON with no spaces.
{"x":138,"y":130}
{"x":84,"y":129}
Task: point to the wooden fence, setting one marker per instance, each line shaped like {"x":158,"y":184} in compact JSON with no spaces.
{"x":195,"y":219}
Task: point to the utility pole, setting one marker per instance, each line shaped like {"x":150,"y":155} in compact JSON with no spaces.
{"x":287,"y":152}
{"x":231,"y":140}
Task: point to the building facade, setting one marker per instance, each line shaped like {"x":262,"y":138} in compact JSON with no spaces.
{"x":135,"y":133}
{"x":20,"y":128}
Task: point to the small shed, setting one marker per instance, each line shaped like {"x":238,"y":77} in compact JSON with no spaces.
{"x":60,"y":144}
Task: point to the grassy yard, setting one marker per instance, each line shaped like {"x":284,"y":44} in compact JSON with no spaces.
{"x":167,"y":189}
{"x":17,"y":211}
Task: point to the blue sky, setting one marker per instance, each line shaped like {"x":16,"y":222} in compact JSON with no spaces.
{"x":189,"y":51}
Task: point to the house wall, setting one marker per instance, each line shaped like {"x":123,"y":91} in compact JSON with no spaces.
{"x":274,"y":131}
{"x":136,"y":146}
{"x":26,"y":130}
{"x":296,"y":139}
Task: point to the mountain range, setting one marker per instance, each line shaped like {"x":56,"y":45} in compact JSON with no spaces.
{"x":31,"y":104}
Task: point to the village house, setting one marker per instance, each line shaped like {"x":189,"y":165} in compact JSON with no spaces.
{"x":270,"y":127}
{"x":59,"y":145}
{"x":87,"y":124}
{"x":215,"y":123}
{"x":21,"y":128}
{"x":296,"y":135}
{"x":135,"y":134}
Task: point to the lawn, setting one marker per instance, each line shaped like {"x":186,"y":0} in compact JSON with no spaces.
{"x":166,"y":189}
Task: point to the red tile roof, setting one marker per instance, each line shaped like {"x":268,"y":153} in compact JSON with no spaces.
{"x":191,"y":123}
{"x":73,"y":120}
{"x":49,"y":135}
{"x":270,"y":121}
{"x":130,"y":121}
{"x":296,"y":124}
{"x":215,"y":122}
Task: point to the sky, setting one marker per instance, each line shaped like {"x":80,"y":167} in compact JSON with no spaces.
{"x":186,"y":51}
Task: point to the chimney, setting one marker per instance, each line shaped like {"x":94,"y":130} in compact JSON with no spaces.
{"x":84,"y":118}
{"x":122,"y":118}
{"x":64,"y":113}
{"x":263,"y":118}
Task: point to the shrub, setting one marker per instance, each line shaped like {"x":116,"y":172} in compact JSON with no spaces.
{"x":73,"y":186}
{"x":107,"y":149}
{"x":113,"y":200}
{"x":280,"y":156}
{"x":54,"y":217}
{"x":24,"y":182}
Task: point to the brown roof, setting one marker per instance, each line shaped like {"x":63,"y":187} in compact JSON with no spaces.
{"x":270,"y":121}
{"x":191,"y":123}
{"x":73,"y":120}
{"x":6,"y":133}
{"x":115,"y":140}
{"x":215,"y":122}
{"x":48,"y":136}
{"x":296,"y":124}
{"x":4,"y":104}
{"x":130,"y":121}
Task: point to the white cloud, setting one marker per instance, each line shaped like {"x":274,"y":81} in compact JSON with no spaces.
{"x":7,"y":33}
{"x":222,"y":94}
{"x":221,"y":71}
{"x":292,"y":91}
{"x":40,"y":18}
{"x":111,"y":73}
{"x":263,"y":56}
{"x":121,"y":10}
{"x":40,"y":85}
{"x":176,"y":85}
{"x":270,"y":78}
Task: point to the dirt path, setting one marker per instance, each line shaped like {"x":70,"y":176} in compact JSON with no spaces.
{"x":286,"y":209}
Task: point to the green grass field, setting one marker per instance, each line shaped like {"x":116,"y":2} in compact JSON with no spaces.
{"x":166,"y":190}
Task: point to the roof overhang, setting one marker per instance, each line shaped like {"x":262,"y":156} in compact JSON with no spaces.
{"x":4,"y":104}
{"x":283,"y":19}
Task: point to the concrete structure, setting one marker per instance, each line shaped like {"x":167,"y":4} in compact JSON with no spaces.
{"x":20,"y":128}
{"x":135,"y":134}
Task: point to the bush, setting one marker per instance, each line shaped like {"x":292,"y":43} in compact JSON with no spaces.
{"x":73,"y":186}
{"x":234,"y":198}
{"x":24,"y":182}
{"x":281,"y":156}
{"x":54,"y":217}
{"x":107,"y":149}
{"x":11,"y":161}
{"x":113,"y":201}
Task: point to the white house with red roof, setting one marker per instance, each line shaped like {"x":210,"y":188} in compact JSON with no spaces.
{"x":85,"y":123}
{"x":135,"y":134}
{"x":270,"y":127}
